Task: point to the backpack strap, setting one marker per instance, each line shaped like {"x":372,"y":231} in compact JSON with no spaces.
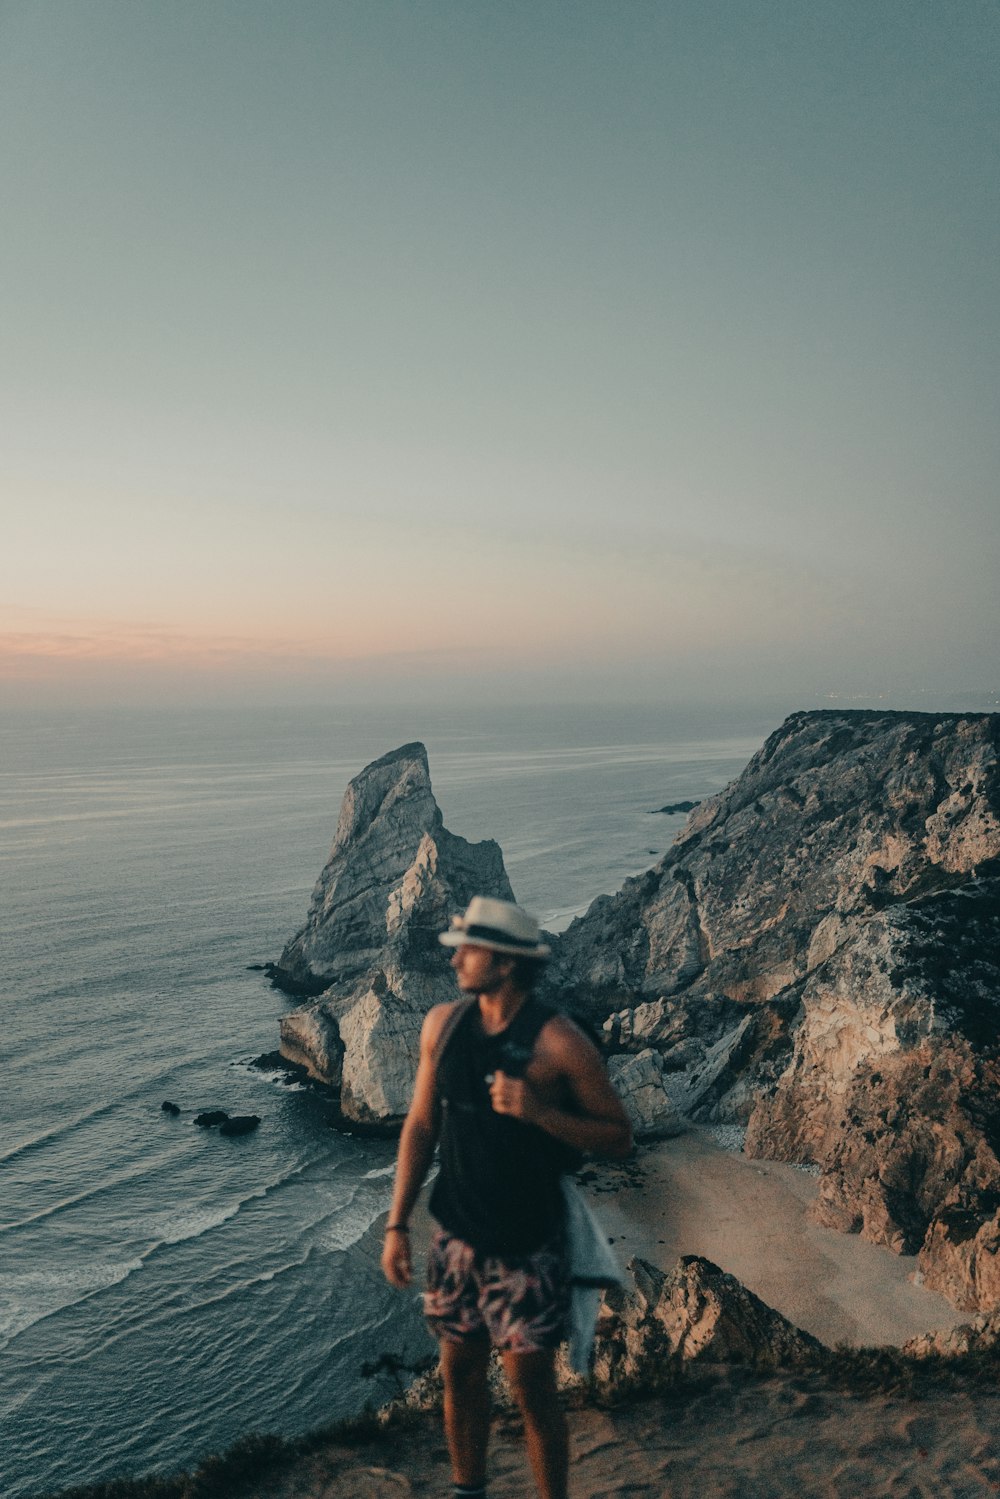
{"x":459,"y":1009}
{"x":522,"y":1033}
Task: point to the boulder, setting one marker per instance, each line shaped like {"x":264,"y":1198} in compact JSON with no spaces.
{"x":369,"y":947}
{"x":639,"y":1081}
{"x":210,"y":1118}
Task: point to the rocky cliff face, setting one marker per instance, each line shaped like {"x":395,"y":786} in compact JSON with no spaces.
{"x":369,"y":946}
{"x":818,"y":956}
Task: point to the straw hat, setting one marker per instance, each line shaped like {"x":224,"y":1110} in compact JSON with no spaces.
{"x":497,"y":924}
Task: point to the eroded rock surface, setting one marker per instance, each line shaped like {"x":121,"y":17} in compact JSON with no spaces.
{"x":694,"y":1312}
{"x":640,"y":1081}
{"x":369,"y":946}
{"x":818,"y":956}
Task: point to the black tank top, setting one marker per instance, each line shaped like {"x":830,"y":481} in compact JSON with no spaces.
{"x":498,"y":1185}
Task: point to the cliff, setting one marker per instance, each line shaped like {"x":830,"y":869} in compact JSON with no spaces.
{"x":817,"y":956}
{"x":369,"y":945}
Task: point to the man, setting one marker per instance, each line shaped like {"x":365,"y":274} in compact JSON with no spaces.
{"x":516,"y":1092}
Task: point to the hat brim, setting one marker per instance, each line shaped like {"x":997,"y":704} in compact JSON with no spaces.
{"x":458,"y":938}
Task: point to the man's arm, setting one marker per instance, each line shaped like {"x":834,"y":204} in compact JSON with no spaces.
{"x":601,"y":1125}
{"x":416,"y":1149}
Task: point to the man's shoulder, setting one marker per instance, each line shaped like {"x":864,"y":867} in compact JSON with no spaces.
{"x":439,"y":1017}
{"x":563,"y":1038}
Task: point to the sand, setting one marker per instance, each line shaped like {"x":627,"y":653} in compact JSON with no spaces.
{"x":687,"y":1196}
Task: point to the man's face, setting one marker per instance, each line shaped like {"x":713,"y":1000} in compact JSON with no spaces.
{"x":480,"y":970}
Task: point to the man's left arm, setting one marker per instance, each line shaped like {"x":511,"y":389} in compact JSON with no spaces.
{"x":597,"y":1124}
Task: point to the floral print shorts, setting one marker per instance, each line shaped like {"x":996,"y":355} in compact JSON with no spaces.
{"x":521,"y":1301}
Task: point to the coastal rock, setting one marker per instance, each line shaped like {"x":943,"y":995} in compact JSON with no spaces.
{"x":369,"y":945}
{"x":240,"y":1124}
{"x":639,"y":1081}
{"x":839,"y":815}
{"x":894,"y":1089}
{"x":977,"y":1336}
{"x":694,"y":1312}
{"x":394,"y":876}
{"x":841,"y":899}
{"x":210,"y":1118}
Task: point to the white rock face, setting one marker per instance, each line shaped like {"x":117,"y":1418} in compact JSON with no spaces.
{"x":369,"y":946}
{"x":639,"y":1081}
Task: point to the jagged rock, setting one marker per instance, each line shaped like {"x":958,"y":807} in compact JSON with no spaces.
{"x":210,"y":1118}
{"x":837,"y":816}
{"x":240,"y":1124}
{"x":668,"y":1023}
{"x":395,"y":875}
{"x":694,"y":1312}
{"x":639,"y":1081}
{"x":977,"y":1336}
{"x":914,"y":974}
{"x":369,"y":945}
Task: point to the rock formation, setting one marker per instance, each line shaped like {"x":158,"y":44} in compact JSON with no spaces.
{"x":818,"y":956}
{"x":694,"y":1312}
{"x":664,"y":1324}
{"x":369,"y":946}
{"x":641,"y":1084}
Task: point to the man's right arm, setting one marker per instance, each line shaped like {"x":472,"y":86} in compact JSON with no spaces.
{"x":416,"y":1150}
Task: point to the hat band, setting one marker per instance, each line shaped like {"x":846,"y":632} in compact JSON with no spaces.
{"x":494,"y":934}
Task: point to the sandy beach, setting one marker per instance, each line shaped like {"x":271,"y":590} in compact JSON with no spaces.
{"x":687,"y":1196}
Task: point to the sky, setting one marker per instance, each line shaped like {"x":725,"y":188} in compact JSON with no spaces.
{"x":552,"y":351}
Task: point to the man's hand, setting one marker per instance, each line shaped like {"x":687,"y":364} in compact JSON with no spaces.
{"x":514,"y":1096}
{"x":396,"y":1260}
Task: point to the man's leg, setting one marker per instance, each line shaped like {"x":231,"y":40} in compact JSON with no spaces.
{"x":533,"y":1379}
{"x":467,"y":1407}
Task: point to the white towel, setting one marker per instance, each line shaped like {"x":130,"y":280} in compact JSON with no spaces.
{"x":593,"y":1267}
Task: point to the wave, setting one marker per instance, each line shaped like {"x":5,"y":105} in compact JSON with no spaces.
{"x":42,"y":1138}
{"x":33,"y":1295}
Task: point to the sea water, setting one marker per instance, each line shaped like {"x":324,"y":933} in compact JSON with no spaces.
{"x":163,"y":1290}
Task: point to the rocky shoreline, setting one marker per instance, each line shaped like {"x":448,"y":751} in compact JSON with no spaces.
{"x":815,"y":959}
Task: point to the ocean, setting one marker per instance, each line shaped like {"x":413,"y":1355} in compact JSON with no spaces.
{"x":165,"y":1291}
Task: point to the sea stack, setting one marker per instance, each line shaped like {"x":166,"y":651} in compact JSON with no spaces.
{"x":368,"y":950}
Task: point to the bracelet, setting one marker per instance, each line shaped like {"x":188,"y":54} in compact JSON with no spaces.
{"x":396,"y":1228}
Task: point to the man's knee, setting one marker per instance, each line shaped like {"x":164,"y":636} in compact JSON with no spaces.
{"x":532,"y":1378}
{"x":464,"y":1364}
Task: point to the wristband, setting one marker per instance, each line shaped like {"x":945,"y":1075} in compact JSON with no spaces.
{"x":396,"y":1228}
